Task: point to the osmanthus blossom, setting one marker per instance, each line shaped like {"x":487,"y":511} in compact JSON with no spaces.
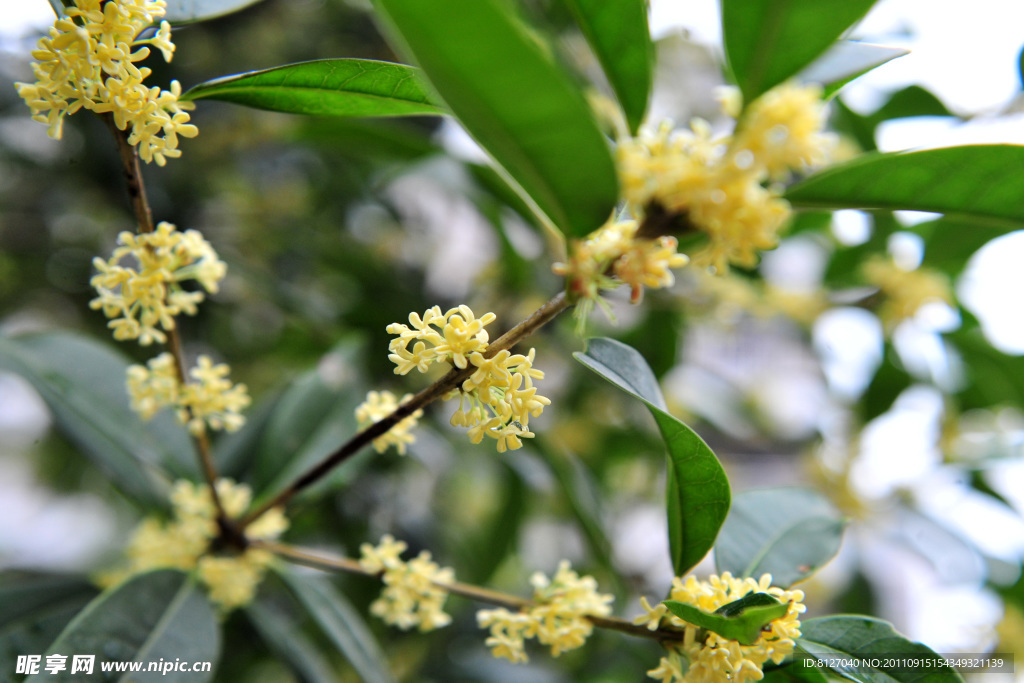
{"x":186,"y":541}
{"x":88,"y":61}
{"x":377,"y":406}
{"x":414,"y":593}
{"x":706,"y":657}
{"x":904,"y":291}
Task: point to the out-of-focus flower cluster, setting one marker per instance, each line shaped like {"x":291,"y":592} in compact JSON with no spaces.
{"x":499,"y":398}
{"x":413,"y":592}
{"x":904,"y":292}
{"x":208,"y":400}
{"x":557,"y":618}
{"x":722,"y":186}
{"x":88,"y":61}
{"x":712,"y":658}
{"x":183,"y":542}
{"x":377,"y":406}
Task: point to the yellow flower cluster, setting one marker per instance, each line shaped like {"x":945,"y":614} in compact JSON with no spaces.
{"x":715,"y":658}
{"x":413,"y":592}
{"x":184,"y":542}
{"x":718,"y":184}
{"x":613,"y":254}
{"x":144,"y":296}
{"x":904,"y":291}
{"x":558,"y":616}
{"x":88,"y":61}
{"x":499,"y":398}
{"x":377,"y":406}
{"x":208,"y":400}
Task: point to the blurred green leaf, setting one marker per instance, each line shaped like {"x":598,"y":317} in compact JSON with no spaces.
{"x":342,"y":624}
{"x":584,"y":497}
{"x":910,"y":102}
{"x":768,"y":41}
{"x":740,"y":620}
{"x":315,"y":415}
{"x":788,"y":533}
{"x":326,"y":87}
{"x":889,"y":382}
{"x":698,"y":490}
{"x":35,"y":608}
{"x":188,"y":11}
{"x":159,"y":615}
{"x":978,"y":182}
{"x":619,"y":35}
{"x":518,"y":104}
{"x":283,"y":637}
{"x":845,"y":61}
{"x":859,"y":641}
{"x":83,"y":383}
{"x":991,"y":377}
{"x":796,"y":671}
{"x":949,"y":243}
{"x":234,"y":452}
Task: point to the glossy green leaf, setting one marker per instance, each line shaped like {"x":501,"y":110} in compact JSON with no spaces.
{"x":788,"y":533}
{"x":857,"y":648}
{"x":619,"y":35}
{"x":342,"y":624}
{"x":977,"y":182}
{"x":768,"y":41}
{"x":83,"y":384}
{"x":189,"y":11}
{"x":326,"y":87}
{"x":845,"y":61}
{"x":282,"y":636}
{"x":740,"y":620}
{"x":154,"y":616}
{"x":515,"y":101}
{"x":698,"y":491}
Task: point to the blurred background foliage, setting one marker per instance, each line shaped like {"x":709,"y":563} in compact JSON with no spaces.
{"x":334,"y":228}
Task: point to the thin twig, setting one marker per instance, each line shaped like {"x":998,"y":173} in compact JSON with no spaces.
{"x":325,"y":562}
{"x":543,"y":315}
{"x":132,"y":170}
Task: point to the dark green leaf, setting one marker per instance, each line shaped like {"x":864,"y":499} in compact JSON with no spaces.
{"x":342,"y":624}
{"x":796,"y":671}
{"x":910,"y":102}
{"x":326,"y":87}
{"x":582,"y":493}
{"x":35,"y":608}
{"x":978,"y":182}
{"x":618,"y":34}
{"x":154,"y":616}
{"x":235,"y":452}
{"x":788,"y":533}
{"x":698,"y":490}
{"x":845,"y":61}
{"x":83,"y":383}
{"x":518,"y":104}
{"x":853,"y":643}
{"x":768,"y":41}
{"x":950,"y":243}
{"x":889,"y":382}
{"x":187,"y":11}
{"x":991,"y":377}
{"x":283,"y":637}
{"x":741,"y":620}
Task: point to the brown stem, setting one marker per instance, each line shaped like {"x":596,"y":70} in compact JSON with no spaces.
{"x":513,"y":602}
{"x":132,"y":170}
{"x":453,"y":379}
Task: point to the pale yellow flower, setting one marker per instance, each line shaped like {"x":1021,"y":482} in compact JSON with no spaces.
{"x":714,"y":658}
{"x":905,"y":291}
{"x":377,"y":406}
{"x":557,"y":618}
{"x":414,"y":593}
{"x":87,"y":61}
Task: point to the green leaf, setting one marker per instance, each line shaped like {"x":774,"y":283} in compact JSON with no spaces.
{"x":326,"y":87}
{"x":845,"y":61}
{"x":796,"y":671}
{"x":768,"y":41}
{"x":740,"y":620}
{"x":342,"y":624}
{"x":35,"y":608}
{"x":618,"y":34}
{"x":857,"y":647}
{"x":83,"y":384}
{"x":518,"y":104}
{"x":788,"y":533}
{"x":188,"y":11}
{"x":234,"y":452}
{"x":154,"y":616}
{"x":977,"y":182}
{"x":282,"y":636}
{"x":950,"y":243}
{"x":698,"y":491}
{"x":991,"y":377}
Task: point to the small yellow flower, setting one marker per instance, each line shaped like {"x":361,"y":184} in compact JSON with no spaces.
{"x":557,"y":618}
{"x":905,"y":291}
{"x":715,"y":658}
{"x":413,"y":594}
{"x":377,"y":406}
{"x":87,"y":61}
